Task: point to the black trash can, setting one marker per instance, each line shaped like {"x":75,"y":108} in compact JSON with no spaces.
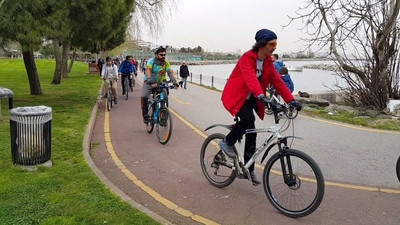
{"x":30,"y":129}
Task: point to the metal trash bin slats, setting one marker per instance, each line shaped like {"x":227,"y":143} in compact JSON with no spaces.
{"x":30,"y":129}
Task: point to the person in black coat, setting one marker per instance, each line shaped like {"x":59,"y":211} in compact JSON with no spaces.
{"x":184,"y":73}
{"x":100,"y":65}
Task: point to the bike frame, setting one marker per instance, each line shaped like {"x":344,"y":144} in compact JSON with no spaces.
{"x":266,"y":146}
{"x":158,"y":98}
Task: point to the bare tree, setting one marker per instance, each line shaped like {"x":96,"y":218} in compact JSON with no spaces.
{"x":150,"y":15}
{"x":363,"y":37}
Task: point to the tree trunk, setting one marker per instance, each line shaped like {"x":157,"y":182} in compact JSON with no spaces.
{"x":64,"y":67}
{"x":71,"y":63}
{"x":57,"y":56}
{"x":31,"y":71}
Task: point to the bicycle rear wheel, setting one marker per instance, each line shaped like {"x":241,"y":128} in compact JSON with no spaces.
{"x":297,"y":192}
{"x":398,"y":168}
{"x":150,"y":121}
{"x":108,"y":104}
{"x":216,"y":167}
{"x":164,"y":126}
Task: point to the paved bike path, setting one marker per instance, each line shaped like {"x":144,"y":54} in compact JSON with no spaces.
{"x":173,"y":172}
{"x":349,"y":154}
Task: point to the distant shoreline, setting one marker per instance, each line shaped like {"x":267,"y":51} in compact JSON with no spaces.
{"x":217,"y":62}
{"x":203,"y":62}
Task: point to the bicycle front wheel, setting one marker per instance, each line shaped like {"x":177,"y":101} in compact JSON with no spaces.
{"x":109,"y":101}
{"x":164,"y":126}
{"x":216,"y":167}
{"x":126,"y":88}
{"x":293,"y":183}
{"x":150,"y":123}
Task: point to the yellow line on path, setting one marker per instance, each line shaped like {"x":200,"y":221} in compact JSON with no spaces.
{"x":350,"y":186}
{"x":199,"y":132}
{"x":351,"y":126}
{"x":167,"y":203}
{"x":181,"y":102}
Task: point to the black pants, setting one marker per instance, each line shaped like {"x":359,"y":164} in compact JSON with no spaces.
{"x":123,"y":77}
{"x":246,"y":121}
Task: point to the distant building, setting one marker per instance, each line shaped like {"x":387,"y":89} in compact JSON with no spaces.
{"x":196,"y":57}
{"x":238,"y":51}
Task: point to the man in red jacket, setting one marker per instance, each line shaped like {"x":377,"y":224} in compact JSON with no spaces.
{"x":245,"y":92}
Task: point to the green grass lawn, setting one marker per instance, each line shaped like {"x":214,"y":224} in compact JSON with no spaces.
{"x":350,"y":118}
{"x":68,"y":192}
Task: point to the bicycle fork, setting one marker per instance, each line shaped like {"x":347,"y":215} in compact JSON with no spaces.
{"x":287,"y":170}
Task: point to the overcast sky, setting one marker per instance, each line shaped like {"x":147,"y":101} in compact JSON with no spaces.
{"x":227,"y":25}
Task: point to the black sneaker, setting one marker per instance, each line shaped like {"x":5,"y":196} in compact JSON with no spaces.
{"x":254,"y":179}
{"x":123,"y":93}
{"x":115,"y":100}
{"x":227,"y":149}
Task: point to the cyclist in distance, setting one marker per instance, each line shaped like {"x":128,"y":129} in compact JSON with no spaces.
{"x":126,"y":69}
{"x":110,"y":72}
{"x":157,"y":68}
{"x":245,"y":92}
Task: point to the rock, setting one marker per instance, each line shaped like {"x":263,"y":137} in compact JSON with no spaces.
{"x":396,"y":110}
{"x":303,"y":94}
{"x":334,"y":68}
{"x":372,"y":113}
{"x":384,"y":116}
{"x":319,"y":102}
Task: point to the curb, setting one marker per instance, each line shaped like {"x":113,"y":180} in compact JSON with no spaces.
{"x":102,"y":177}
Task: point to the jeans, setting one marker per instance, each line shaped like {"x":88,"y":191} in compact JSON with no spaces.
{"x":184,"y":79}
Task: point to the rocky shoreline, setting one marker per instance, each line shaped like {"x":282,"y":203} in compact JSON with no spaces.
{"x":328,"y":67}
{"x":322,"y":66}
{"x":203,"y":62}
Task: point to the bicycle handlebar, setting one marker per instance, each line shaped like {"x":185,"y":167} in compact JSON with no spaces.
{"x":275,"y":106}
{"x":165,"y":85}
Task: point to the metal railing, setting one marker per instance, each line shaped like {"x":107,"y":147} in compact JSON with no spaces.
{"x":209,"y":81}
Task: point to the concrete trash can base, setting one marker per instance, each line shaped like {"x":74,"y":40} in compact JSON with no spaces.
{"x":30,"y":131}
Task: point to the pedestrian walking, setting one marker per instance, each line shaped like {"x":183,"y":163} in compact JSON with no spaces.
{"x":184,"y":73}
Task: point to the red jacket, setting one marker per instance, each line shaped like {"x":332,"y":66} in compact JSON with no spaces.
{"x":244,"y":80}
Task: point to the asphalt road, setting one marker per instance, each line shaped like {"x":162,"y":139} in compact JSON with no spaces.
{"x":168,"y":179}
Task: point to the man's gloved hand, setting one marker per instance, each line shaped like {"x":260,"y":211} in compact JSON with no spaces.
{"x":296,"y":105}
{"x":268,"y":103}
